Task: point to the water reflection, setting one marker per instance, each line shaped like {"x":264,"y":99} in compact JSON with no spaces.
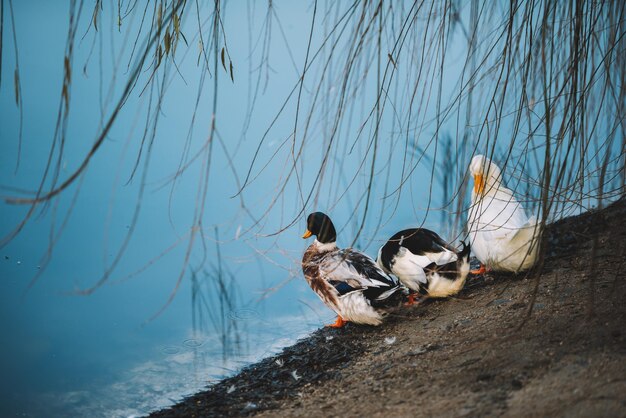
{"x":214,"y":299}
{"x":212,"y":350}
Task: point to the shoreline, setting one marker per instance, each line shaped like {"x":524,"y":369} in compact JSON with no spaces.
{"x":465,"y":355}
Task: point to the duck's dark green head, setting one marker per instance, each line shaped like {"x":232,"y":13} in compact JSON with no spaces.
{"x":320,"y":225}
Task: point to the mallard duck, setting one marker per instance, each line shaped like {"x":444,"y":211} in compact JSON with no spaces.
{"x":425,"y":263}
{"x":348,"y":281}
{"x":503,"y":238}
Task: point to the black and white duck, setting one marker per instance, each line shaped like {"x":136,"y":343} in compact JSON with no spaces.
{"x":348,"y":281}
{"x":425,"y":263}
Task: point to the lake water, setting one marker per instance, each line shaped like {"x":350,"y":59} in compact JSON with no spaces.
{"x":123,"y":350}
{"x":113,"y":353}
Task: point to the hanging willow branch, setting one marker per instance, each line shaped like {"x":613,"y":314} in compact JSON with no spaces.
{"x":391,"y":102}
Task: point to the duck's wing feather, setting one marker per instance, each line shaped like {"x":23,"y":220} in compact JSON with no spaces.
{"x":530,"y":231}
{"x":349,"y":270}
{"x":427,"y":247}
{"x":499,"y":215}
{"x":343,"y":288}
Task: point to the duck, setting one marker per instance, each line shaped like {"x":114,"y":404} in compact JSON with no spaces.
{"x":348,"y":281}
{"x":502,"y":236}
{"x":425,"y":263}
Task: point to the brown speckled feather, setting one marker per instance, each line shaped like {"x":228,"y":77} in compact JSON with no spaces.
{"x":312,"y":274}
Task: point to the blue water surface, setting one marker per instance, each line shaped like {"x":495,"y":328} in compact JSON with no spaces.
{"x":113,"y":352}
{"x":123,"y":349}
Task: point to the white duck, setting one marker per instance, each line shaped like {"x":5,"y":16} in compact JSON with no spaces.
{"x":348,"y":281}
{"x":425,"y":263}
{"x":502,"y":237}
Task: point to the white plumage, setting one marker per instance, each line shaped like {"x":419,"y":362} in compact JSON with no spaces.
{"x":424,"y":262}
{"x":501,"y":234}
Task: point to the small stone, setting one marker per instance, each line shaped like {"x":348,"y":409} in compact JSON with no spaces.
{"x":250,"y":406}
{"x":417,"y":351}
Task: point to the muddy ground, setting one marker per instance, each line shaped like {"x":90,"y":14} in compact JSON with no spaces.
{"x":465,"y":356}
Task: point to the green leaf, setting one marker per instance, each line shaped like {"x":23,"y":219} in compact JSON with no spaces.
{"x":167,"y":41}
{"x":176,"y":24}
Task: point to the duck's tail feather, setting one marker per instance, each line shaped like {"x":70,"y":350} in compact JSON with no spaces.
{"x":465,"y":252}
{"x":529,"y":232}
{"x":388,"y":298}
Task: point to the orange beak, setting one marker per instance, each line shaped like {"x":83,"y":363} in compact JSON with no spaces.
{"x":307,"y":234}
{"x":479,"y":184}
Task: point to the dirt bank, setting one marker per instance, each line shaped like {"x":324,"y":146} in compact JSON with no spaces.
{"x":465,"y":356}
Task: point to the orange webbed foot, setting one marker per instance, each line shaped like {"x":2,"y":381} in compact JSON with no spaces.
{"x":338,"y":323}
{"x":410,"y":300}
{"x":482,"y":270}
